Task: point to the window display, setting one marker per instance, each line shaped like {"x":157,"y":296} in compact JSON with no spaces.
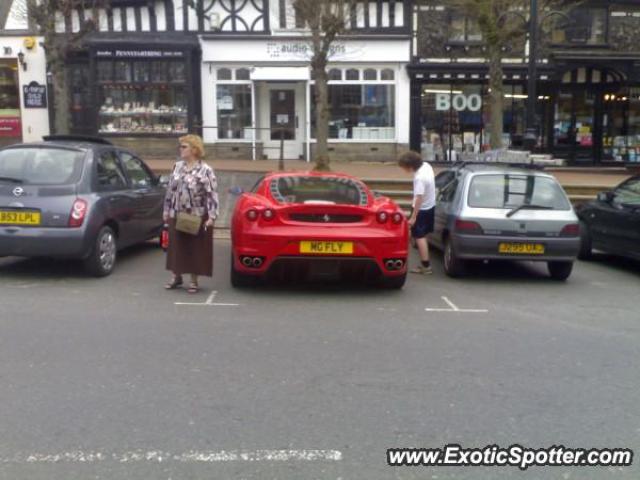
{"x":234,"y":111}
{"x":10,"y":119}
{"x":142,"y":96}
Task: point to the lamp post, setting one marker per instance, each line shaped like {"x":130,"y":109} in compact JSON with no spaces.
{"x":531,"y":133}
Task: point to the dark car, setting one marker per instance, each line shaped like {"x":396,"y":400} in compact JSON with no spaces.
{"x":612,"y":222}
{"x":74,"y":197}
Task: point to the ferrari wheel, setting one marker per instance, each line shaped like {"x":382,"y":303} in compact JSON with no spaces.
{"x":239,"y":279}
{"x":394,"y":283}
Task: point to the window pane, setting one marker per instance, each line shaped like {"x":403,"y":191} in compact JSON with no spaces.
{"x":105,"y":71}
{"x":299,"y":189}
{"x":234,"y":111}
{"x":123,"y":72}
{"x":109,"y":173}
{"x":224,"y":74}
{"x":509,"y":191}
{"x":158,"y":72}
{"x":242,"y":74}
{"x":43,"y":166}
{"x":387,"y":74}
{"x":456,"y":28}
{"x":370,"y":74}
{"x":335,"y":74}
{"x":353,"y":74}
{"x":137,"y":173}
{"x":141,"y":72}
{"x":177,"y":72}
{"x":362,"y":112}
{"x":586,"y":26}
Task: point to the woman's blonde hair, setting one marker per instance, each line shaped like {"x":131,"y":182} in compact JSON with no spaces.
{"x":195,"y":142}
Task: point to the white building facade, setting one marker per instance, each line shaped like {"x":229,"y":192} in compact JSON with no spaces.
{"x":258,"y":90}
{"x":24,"y":113}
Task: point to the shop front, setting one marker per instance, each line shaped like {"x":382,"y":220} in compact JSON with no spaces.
{"x":587,"y":116}
{"x":258,"y":98}
{"x":23,"y":90}
{"x":136,"y":90}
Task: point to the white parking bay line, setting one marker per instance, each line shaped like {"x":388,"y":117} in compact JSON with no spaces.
{"x":210,"y":302}
{"x":453,"y":308}
{"x":193,"y":456}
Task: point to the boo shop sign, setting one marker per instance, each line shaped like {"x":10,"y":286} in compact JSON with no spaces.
{"x":460,"y":102}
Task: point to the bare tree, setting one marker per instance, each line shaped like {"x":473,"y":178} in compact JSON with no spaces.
{"x":326,"y":21}
{"x":44,"y":15}
{"x":502,"y":23}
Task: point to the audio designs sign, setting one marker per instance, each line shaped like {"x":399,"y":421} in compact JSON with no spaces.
{"x":458,"y":102}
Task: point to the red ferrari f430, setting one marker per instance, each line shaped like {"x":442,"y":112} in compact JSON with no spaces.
{"x":299,"y":226}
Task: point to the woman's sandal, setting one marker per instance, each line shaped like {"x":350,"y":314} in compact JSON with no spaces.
{"x":193,"y":288}
{"x":173,"y":284}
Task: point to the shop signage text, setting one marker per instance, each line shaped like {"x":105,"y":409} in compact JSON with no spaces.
{"x":35,"y":95}
{"x":139,"y":54}
{"x":459,"y":102}
{"x":301,"y":49}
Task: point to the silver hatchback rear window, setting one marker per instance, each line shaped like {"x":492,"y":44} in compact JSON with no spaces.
{"x":513,"y":190}
{"x":41,"y":165}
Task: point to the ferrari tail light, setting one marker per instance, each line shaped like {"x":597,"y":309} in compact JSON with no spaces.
{"x":268,"y":214}
{"x":78,"y":212}
{"x":465,"y":226}
{"x":396,"y":218}
{"x":570,"y":230}
{"x":252,"y":215}
{"x":382,"y":217}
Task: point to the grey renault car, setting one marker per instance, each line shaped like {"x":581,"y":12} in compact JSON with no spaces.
{"x":74,"y":197}
{"x":496,"y":211}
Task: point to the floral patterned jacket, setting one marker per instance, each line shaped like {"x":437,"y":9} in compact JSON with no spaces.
{"x":192,"y":191}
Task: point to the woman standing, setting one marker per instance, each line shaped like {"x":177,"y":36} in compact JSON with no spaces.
{"x":192,"y":190}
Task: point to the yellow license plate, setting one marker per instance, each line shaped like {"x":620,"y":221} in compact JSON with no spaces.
{"x":326,"y":248}
{"x":8,"y":217}
{"x":521,"y":248}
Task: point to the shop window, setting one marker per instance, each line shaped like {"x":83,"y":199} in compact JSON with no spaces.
{"x":352,"y":74}
{"x":370,"y":74}
{"x":224,"y":74}
{"x":243,"y":74}
{"x":587,"y":26}
{"x":335,"y":74}
{"x":105,"y":71}
{"x":10,"y":117}
{"x":177,"y":72}
{"x":141,"y":72}
{"x":143,"y":98}
{"x":234,"y":111}
{"x":464,"y":29}
{"x":361,"y":112}
{"x":123,"y":72}
{"x":387,"y":74}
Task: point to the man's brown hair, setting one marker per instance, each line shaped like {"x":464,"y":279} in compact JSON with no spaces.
{"x":411,"y":159}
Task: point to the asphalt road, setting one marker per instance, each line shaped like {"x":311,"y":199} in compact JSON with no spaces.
{"x":114,"y":378}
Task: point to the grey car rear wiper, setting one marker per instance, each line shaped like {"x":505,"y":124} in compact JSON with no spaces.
{"x":527,"y":207}
{"x":11,"y":179}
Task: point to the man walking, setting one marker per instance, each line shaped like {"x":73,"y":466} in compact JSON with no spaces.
{"x":424,"y":202}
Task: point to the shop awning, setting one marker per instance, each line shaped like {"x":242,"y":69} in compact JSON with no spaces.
{"x":283,"y":74}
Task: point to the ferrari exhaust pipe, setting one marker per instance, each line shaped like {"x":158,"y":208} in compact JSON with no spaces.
{"x":390,"y":265}
{"x":257,"y":262}
{"x":398,"y":264}
{"x":246,"y":261}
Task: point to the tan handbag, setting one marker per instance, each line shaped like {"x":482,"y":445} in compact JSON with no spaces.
{"x":188,"y":223}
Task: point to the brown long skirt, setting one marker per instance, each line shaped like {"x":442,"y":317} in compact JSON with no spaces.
{"x":190,"y":253}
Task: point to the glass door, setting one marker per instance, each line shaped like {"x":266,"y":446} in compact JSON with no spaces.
{"x":283,"y":114}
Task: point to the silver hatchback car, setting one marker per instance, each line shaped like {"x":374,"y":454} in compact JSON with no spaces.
{"x":501,"y":211}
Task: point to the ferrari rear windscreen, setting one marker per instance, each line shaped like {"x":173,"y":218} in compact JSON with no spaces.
{"x":319,"y":190}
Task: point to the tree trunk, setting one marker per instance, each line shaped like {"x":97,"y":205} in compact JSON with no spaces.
{"x":59,"y":76}
{"x":496,"y":98}
{"x":322,"y":118}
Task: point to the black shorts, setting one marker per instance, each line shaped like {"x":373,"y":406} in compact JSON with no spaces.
{"x":424,"y":223}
